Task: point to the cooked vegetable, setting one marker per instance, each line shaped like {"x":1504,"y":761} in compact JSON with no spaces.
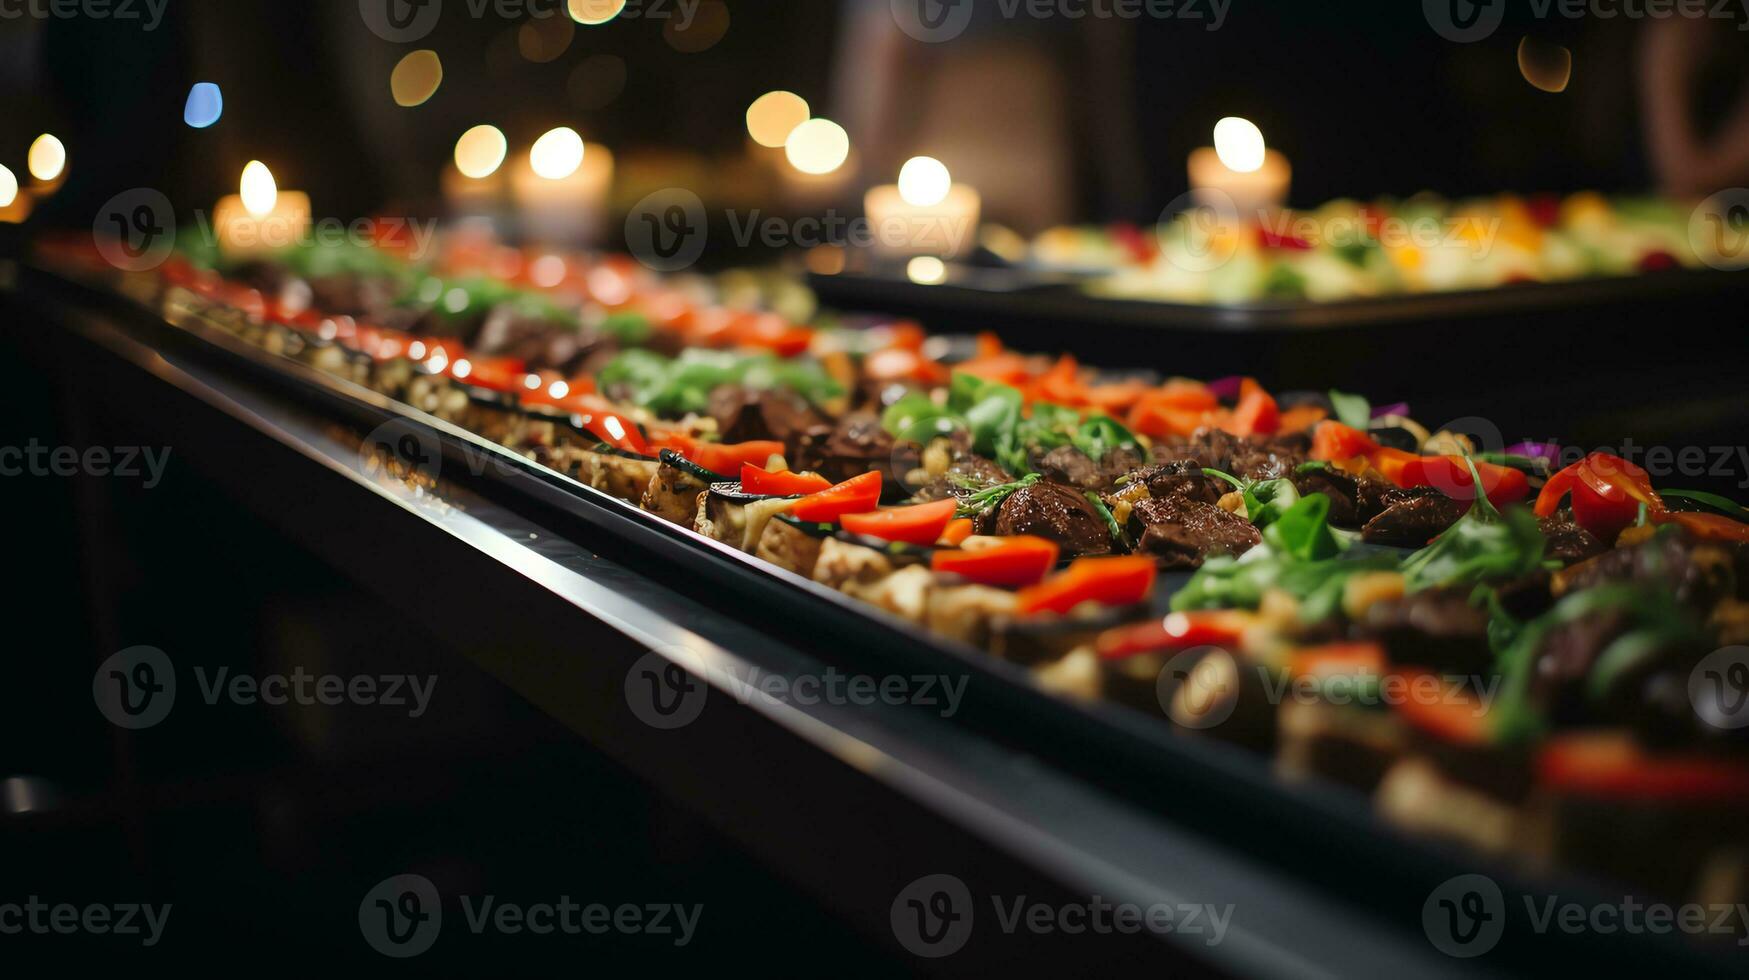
{"x":781,"y":483}
{"x":920,"y":524}
{"x":857,"y":495}
{"x":1108,"y":581}
{"x":1484,"y":545}
{"x":1019,"y":560}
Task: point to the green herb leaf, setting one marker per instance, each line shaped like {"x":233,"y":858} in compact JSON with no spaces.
{"x":981,"y":501}
{"x":1303,"y":530}
{"x":1353,"y":411}
{"x":1105,"y":512}
{"x":1724,"y":505}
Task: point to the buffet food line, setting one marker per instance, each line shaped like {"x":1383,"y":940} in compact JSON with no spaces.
{"x":1495,"y":650}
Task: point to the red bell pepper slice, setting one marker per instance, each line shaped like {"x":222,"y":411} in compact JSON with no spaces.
{"x":1450,"y":715}
{"x":956,"y":532}
{"x":920,"y":524}
{"x":1256,"y":414}
{"x":1451,"y":474}
{"x":1109,"y":581}
{"x":1337,"y":660}
{"x":728,"y":458}
{"x":856,"y":495}
{"x":1332,"y":441}
{"x":781,"y":483}
{"x":1607,"y":493}
{"x":1178,"y":631}
{"x":617,"y":431}
{"x":1020,"y":560}
{"x":1609,"y":765}
{"x":1391,"y":463}
{"x":1302,"y":417}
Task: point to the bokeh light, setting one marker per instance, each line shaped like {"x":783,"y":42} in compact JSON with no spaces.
{"x":708,"y":25}
{"x":416,"y":77}
{"x":926,"y":270}
{"x":544,"y":40}
{"x":593,"y":12}
{"x":774,"y":115}
{"x":480,"y":151}
{"x":206,"y":103}
{"x":557,"y":154}
{"x":8,"y":187}
{"x":1239,"y":144}
{"x":1548,"y":67}
{"x":818,"y":146}
{"x":924,"y":182}
{"x":596,"y":81}
{"x":47,"y":158}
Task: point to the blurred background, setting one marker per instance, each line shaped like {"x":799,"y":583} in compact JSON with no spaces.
{"x":1055,"y":120}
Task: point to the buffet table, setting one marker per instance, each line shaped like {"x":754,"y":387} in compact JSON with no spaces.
{"x":564,"y":600}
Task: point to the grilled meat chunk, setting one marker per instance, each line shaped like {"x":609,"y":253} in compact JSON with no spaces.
{"x":1182,"y":480}
{"x":1071,"y":466}
{"x":1412,"y":517}
{"x":1180,"y":533}
{"x":1568,"y":542}
{"x":855,"y":445}
{"x":1436,"y":628}
{"x":744,"y":414}
{"x":967,"y":474}
{"x":1060,"y":513}
{"x":1698,"y":573}
{"x":1353,"y":500}
{"x":673,"y":495}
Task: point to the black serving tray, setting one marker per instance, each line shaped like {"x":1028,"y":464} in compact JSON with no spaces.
{"x":1323,"y":834}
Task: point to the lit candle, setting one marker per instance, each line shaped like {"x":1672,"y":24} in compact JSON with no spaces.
{"x":561,"y":189}
{"x":820,"y":165}
{"x":14,"y":202}
{"x":47,"y":162}
{"x":1253,"y":176}
{"x":925,"y":213}
{"x":260,"y":217}
{"x":473,"y":184}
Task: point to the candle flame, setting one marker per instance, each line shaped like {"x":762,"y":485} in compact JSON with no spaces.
{"x":259,"y":191}
{"x":818,"y":147}
{"x":557,"y":154}
{"x":774,"y":115}
{"x":48,"y":157}
{"x":8,"y":187}
{"x":480,"y":151}
{"x":924,"y":182}
{"x":1239,"y":144}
